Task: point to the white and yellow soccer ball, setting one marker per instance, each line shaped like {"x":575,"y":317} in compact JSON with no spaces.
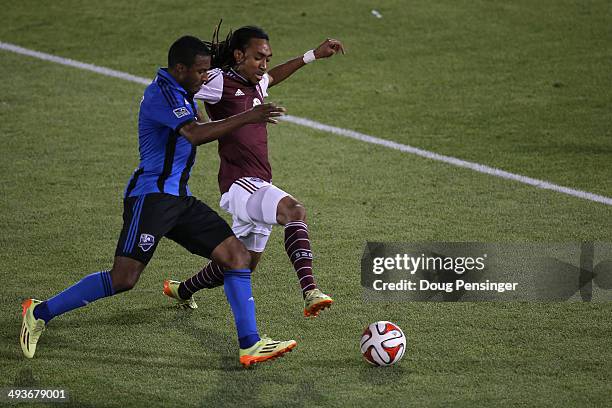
{"x":383,"y":343}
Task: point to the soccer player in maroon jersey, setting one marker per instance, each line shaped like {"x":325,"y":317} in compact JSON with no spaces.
{"x":240,"y":82}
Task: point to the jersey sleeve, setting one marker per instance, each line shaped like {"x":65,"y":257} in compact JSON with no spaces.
{"x":168,"y":108}
{"x":263,"y":85}
{"x":212,"y":90}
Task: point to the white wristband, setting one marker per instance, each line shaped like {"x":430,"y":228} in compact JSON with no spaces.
{"x":309,"y":57}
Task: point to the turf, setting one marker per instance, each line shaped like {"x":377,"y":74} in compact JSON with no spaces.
{"x":520,"y":86}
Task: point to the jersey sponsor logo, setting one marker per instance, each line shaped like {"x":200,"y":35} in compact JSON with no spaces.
{"x":256,"y":101}
{"x":146,"y":242}
{"x":180,"y":112}
{"x":239,"y":93}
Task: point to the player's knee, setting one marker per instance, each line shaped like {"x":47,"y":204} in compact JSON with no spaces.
{"x":124,"y":279}
{"x":254,"y":262}
{"x":297,"y":212}
{"x":232,"y":254}
{"x":240,"y":258}
{"x":125,"y":283}
{"x":289,"y":209}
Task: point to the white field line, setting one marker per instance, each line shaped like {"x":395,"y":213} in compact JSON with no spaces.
{"x":481,"y":168}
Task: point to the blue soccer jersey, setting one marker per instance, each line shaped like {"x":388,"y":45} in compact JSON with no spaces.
{"x":166,"y":157}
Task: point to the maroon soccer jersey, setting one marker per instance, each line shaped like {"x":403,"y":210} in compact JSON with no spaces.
{"x":244,"y":152}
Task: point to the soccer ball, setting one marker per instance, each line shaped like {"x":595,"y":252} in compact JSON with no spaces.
{"x":383,"y":343}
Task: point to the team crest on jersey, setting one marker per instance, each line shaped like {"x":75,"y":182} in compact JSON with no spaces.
{"x":146,"y":242}
{"x":180,"y":112}
{"x":239,"y":93}
{"x":256,"y":101}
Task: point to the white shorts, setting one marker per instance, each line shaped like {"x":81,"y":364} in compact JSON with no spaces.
{"x":252,"y":202}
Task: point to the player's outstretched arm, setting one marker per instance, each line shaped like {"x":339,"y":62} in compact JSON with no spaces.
{"x":199,"y":133}
{"x":283,"y":71}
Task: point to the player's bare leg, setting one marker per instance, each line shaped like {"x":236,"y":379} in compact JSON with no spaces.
{"x":292,"y":215}
{"x":255,"y":258}
{"x":231,"y":254}
{"x":125,"y":273}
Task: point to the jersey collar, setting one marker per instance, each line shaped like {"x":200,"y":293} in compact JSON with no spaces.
{"x":232,"y":73}
{"x":163,"y":73}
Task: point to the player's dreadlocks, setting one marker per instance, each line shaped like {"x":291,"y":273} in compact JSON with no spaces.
{"x":222,"y":52}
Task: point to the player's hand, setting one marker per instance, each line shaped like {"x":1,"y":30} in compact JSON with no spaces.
{"x":265,"y":113}
{"x":328,"y":48}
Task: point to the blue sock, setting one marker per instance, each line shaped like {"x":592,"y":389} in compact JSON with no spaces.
{"x":90,"y":288}
{"x":237,"y":284}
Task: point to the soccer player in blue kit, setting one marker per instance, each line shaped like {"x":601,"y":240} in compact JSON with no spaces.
{"x":158,"y":203}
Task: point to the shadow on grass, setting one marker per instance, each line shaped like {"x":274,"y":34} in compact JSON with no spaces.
{"x":380,"y":376}
{"x":127,"y":317}
{"x":267,"y":385}
{"x":58,"y":342}
{"x":256,"y":387}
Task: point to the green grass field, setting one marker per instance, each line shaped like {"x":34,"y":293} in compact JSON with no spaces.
{"x":523,"y":86}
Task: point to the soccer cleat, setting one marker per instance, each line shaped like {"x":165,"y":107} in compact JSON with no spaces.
{"x":31,"y":328}
{"x":315,"y":301}
{"x":171,"y":290}
{"x":265,"y":349}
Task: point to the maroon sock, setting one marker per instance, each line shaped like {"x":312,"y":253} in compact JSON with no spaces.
{"x":297,"y":245}
{"x":209,"y":277}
